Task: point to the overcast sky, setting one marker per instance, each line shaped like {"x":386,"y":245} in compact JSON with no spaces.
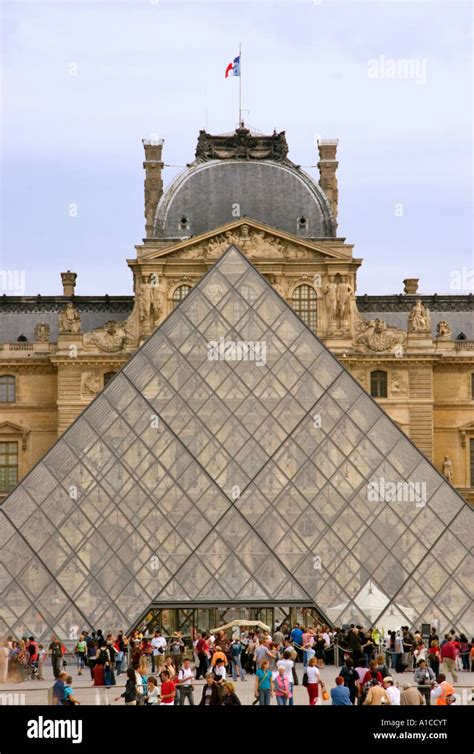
{"x":84,"y":83}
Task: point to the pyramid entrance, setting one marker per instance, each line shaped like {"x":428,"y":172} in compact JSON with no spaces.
{"x":233,"y":462}
{"x":192,"y":620}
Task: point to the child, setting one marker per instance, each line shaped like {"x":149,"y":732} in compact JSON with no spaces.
{"x":41,"y":659}
{"x":69,"y":699}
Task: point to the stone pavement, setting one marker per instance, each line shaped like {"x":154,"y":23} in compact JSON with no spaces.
{"x":36,"y":692}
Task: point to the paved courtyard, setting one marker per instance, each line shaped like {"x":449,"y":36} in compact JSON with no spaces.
{"x":36,"y":692}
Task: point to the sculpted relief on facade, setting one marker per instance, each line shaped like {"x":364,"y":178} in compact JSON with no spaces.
{"x":377,"y":336}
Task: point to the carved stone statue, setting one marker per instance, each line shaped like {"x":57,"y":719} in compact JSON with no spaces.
{"x":345,"y":293}
{"x":419,"y":319}
{"x":443,"y":330}
{"x":156,"y":304}
{"x":144,"y":302}
{"x":110,"y":338}
{"x":69,"y":319}
{"x":448,"y":472}
{"x":330,"y":294}
{"x":42,"y":332}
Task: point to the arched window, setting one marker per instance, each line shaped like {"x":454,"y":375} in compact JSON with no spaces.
{"x":7,"y":388}
{"x":378,"y":384}
{"x":108,"y":376}
{"x":180,"y":292}
{"x":304,"y":303}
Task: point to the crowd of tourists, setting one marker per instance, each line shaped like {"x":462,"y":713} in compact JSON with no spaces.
{"x":164,"y":671}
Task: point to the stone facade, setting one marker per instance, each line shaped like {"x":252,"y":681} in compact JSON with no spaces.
{"x":75,"y":343}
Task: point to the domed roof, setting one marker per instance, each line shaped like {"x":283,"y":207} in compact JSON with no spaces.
{"x":243,"y":182}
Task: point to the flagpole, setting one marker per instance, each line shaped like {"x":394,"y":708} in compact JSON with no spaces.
{"x":240,"y":84}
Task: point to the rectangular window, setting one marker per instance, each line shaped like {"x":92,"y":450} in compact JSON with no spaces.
{"x":472,"y":387}
{"x":7,"y":388}
{"x":8,"y":466}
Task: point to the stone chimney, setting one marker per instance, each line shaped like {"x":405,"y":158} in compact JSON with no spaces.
{"x":411,"y":286}
{"x":327,"y":166}
{"x":69,"y":282}
{"x":153,"y":181}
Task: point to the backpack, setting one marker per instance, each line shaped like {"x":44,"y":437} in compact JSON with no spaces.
{"x":103,"y":656}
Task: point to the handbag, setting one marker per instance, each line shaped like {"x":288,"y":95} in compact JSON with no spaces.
{"x":325,"y":695}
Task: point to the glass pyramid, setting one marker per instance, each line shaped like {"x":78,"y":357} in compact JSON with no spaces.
{"x":233,"y":459}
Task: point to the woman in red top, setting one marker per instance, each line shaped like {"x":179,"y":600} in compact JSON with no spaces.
{"x":372,"y":669}
{"x":98,"y":675}
{"x":168,"y":689}
{"x":434,"y":657}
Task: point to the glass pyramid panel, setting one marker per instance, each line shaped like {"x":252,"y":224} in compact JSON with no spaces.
{"x":233,"y":458}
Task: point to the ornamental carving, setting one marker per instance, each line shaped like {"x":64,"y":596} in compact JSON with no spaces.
{"x":443,"y":330}
{"x":242,"y":144}
{"x":90,"y":384}
{"x":42,"y":332}
{"x":110,"y":338}
{"x":398,"y":383}
{"x":69,"y":320}
{"x":377,"y":336}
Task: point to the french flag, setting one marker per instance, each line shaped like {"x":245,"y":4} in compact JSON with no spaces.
{"x":233,"y":69}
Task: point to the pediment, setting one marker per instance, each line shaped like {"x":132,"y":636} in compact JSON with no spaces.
{"x":15,"y":430}
{"x":256,"y":240}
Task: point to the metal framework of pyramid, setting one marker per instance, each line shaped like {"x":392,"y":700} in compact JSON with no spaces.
{"x":190,"y":480}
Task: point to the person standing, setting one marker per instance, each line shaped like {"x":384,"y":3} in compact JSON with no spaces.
{"x":4,"y":655}
{"x":448,"y":656}
{"x":283,"y":691}
{"x":41,"y":660}
{"x":351,"y":678}
{"x":56,"y":652}
{"x":287,"y":665}
{"x":130,"y":694}
{"x":424,"y":678}
{"x":314,"y":681}
{"x":168,"y":690}
{"x":80,"y":652}
{"x":185,"y":683}
{"x":264,"y":684}
{"x":235,"y":658}
{"x":158,"y":646}
{"x":202,"y":650}
{"x":297,"y":640}
{"x":176,"y":649}
{"x":442,"y":692}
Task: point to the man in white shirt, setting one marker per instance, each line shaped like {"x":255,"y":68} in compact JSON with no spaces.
{"x":185,"y":683}
{"x":158,"y":644}
{"x":392,"y":692}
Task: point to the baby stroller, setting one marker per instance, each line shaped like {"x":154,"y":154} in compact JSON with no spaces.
{"x":31,"y":671}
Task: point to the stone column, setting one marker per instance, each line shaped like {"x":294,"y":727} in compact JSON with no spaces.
{"x":327,"y":166}
{"x":153,"y":181}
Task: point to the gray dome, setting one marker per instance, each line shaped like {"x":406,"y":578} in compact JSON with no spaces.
{"x":204,"y":196}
